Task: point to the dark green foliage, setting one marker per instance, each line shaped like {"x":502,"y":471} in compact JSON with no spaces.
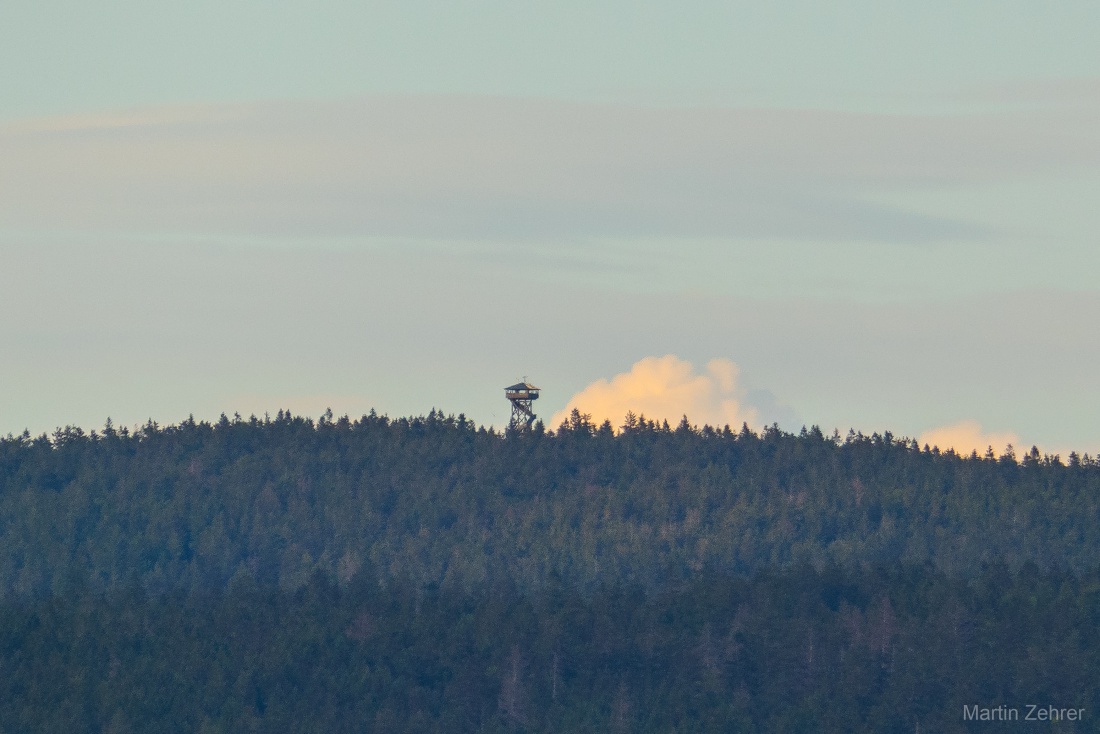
{"x":428,"y":575}
{"x":196,"y":505}
{"x":802,"y":650}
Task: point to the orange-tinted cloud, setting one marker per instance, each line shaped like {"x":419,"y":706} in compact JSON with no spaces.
{"x":666,"y":388}
{"x":967,"y":436}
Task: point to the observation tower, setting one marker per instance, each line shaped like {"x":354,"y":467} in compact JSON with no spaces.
{"x":521,"y":395}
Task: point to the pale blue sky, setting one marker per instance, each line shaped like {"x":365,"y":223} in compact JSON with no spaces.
{"x":60,"y":57}
{"x":885,"y":213}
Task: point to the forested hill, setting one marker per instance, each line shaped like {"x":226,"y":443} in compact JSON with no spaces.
{"x":438,"y":500}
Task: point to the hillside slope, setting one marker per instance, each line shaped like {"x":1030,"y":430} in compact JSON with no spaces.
{"x":441,"y":501}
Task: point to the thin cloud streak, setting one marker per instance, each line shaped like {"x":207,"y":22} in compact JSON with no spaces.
{"x":489,"y":168}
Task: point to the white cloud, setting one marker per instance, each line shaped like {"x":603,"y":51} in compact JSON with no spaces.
{"x":666,"y":388}
{"x":967,"y":436}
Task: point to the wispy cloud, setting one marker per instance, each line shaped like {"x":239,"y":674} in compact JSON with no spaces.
{"x":149,"y":117}
{"x":666,"y":388}
{"x":474,"y":167}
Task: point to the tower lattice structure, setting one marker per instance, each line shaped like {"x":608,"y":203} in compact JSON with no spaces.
{"x":522,"y":395}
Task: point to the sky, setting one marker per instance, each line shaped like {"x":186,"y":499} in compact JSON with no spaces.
{"x":877,"y":216}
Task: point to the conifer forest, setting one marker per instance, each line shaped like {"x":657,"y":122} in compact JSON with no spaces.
{"x":427,"y":574}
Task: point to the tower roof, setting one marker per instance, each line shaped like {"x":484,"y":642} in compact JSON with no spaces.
{"x":521,"y":386}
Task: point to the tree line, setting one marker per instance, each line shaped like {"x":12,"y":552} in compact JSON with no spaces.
{"x":442,"y":501}
{"x":428,"y":574}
